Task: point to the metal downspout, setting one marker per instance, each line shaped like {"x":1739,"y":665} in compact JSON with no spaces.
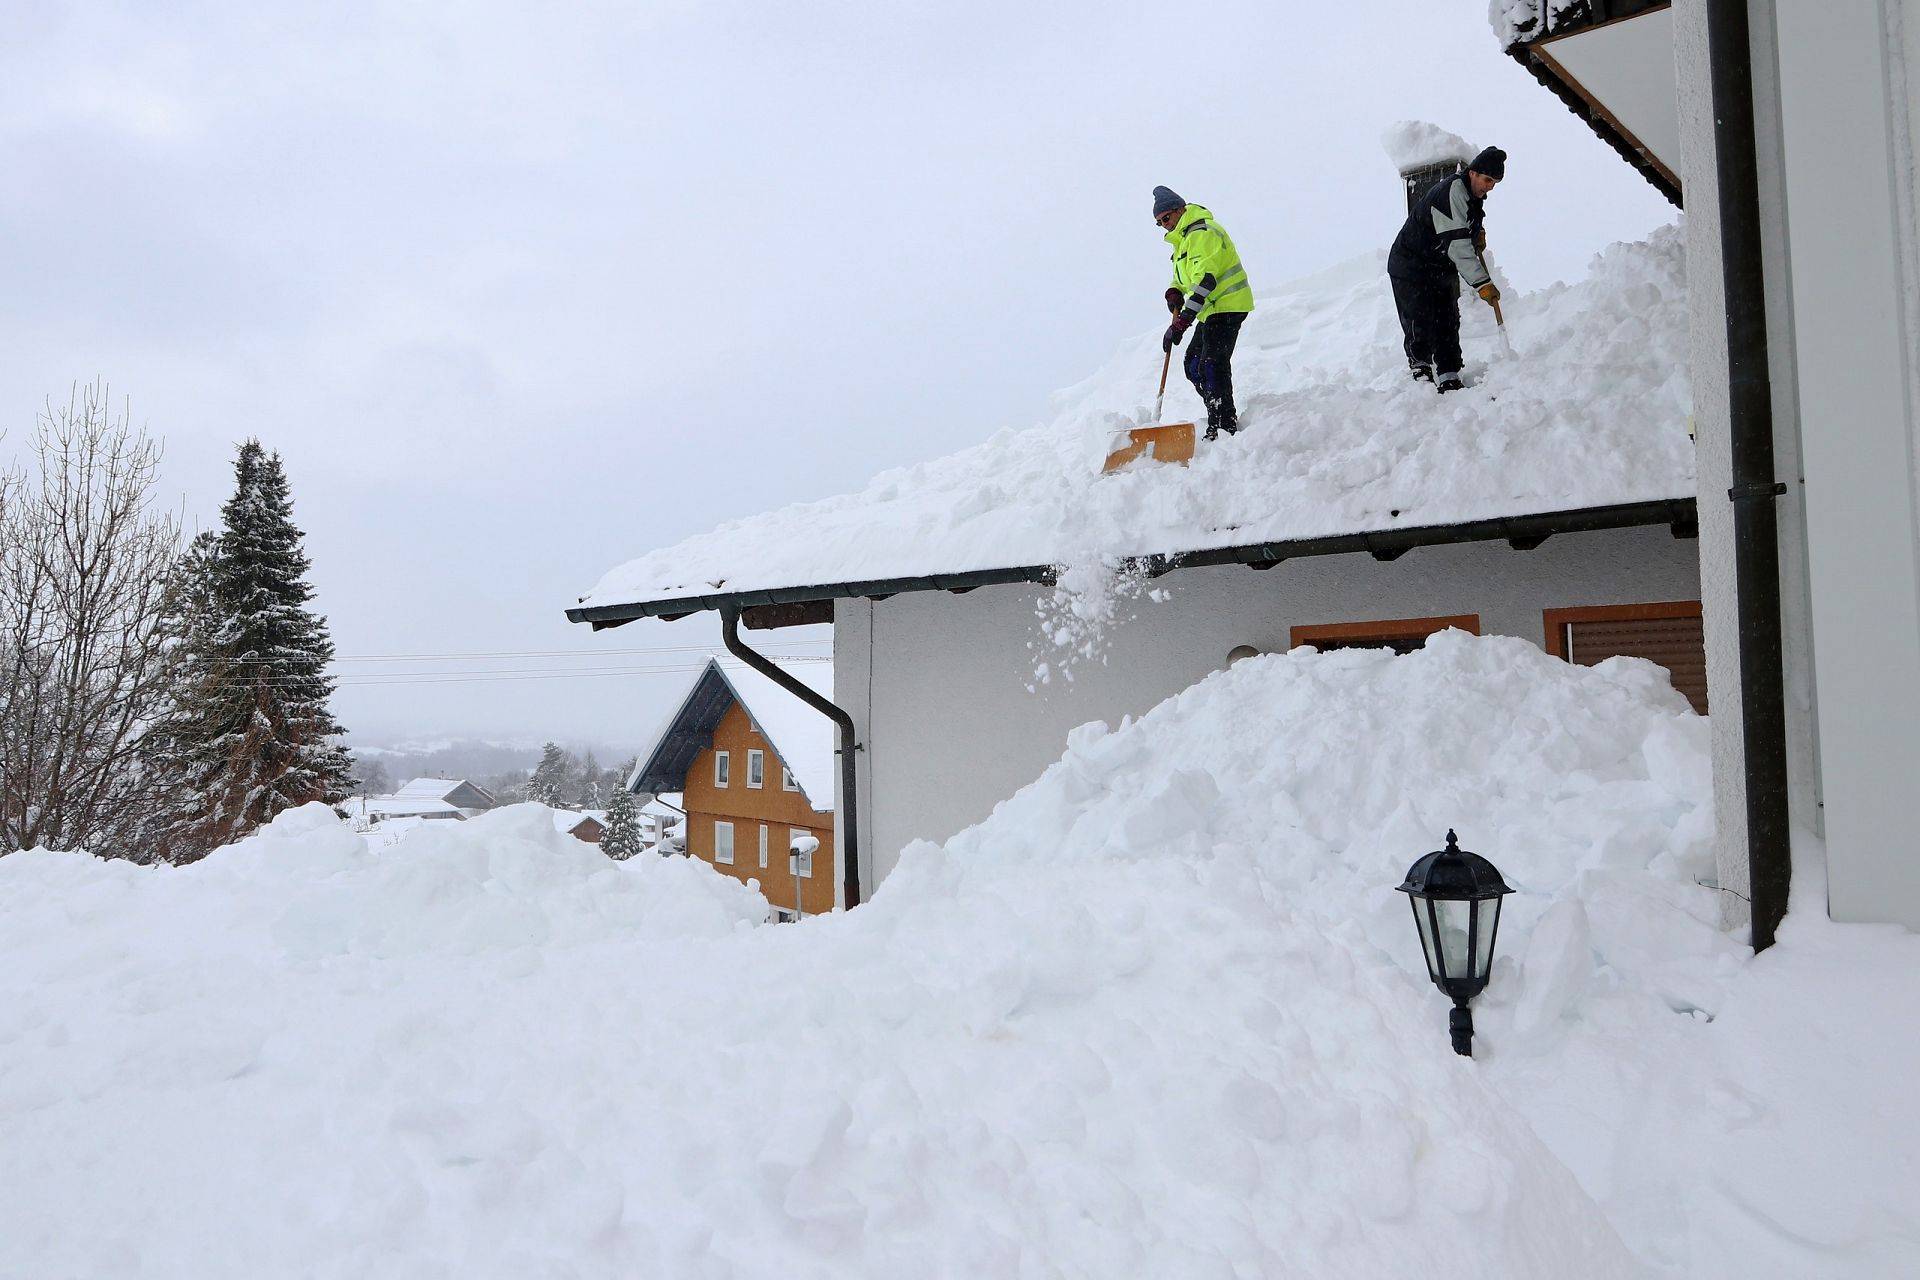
{"x":1756,"y":552}
{"x":846,"y":822}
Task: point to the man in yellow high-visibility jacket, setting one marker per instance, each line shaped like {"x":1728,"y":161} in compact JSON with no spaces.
{"x":1211,"y":295}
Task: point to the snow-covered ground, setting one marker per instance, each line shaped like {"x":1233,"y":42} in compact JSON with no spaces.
{"x":1160,"y":1015}
{"x":1336,"y":439}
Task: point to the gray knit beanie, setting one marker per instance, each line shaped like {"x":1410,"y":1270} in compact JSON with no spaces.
{"x":1164,"y":199}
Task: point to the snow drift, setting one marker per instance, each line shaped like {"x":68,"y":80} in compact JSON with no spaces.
{"x":1161,"y":1014}
{"x":1337,"y":439}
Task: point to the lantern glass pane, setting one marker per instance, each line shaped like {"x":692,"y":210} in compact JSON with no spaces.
{"x":1483,"y":953}
{"x":1454,"y":919}
{"x":1426,"y":934}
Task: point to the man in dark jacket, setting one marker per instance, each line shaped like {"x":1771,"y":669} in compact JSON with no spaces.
{"x":1441,"y":242}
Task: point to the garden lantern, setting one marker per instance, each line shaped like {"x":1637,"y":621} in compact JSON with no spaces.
{"x":1456,"y":903}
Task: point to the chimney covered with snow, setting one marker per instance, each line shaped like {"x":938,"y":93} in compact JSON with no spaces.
{"x":1424,"y":153}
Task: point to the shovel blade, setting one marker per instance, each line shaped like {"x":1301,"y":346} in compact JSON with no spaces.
{"x":1172,"y":442}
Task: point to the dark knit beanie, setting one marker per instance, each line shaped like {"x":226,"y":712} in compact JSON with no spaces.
{"x":1492,"y":162}
{"x":1165,"y":199}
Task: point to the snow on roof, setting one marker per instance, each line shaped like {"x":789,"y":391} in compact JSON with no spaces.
{"x":1415,"y":144}
{"x":565,"y":820}
{"x":430,"y":788}
{"x":1336,"y":440}
{"x":802,"y":737}
{"x":1517,"y":20}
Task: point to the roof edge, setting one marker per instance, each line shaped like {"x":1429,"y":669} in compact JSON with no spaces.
{"x":1524,"y":532}
{"x":1532,"y":53}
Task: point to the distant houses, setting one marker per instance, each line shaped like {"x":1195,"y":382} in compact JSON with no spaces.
{"x":428,"y":799}
{"x":587,"y":826}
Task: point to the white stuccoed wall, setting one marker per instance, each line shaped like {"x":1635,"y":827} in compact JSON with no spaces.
{"x":1835,"y":124}
{"x":938,"y":684}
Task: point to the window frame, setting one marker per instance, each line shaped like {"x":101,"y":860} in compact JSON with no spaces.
{"x":756,"y":764}
{"x":1383,"y":629}
{"x":794,"y":835}
{"x":1556,"y":621}
{"x":763,"y":846}
{"x":718,"y":827}
{"x":722,"y":769}
{"x":787,"y":781}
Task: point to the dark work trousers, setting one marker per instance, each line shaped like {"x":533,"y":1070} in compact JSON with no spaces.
{"x":1429,"y":308}
{"x":1209,"y":366}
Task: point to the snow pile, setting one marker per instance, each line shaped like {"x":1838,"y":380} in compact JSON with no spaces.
{"x":1516,"y":20}
{"x":1161,"y":1014}
{"x":1337,"y":439}
{"x":1414,"y":144}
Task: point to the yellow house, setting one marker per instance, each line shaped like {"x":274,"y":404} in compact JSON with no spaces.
{"x":755,"y":766}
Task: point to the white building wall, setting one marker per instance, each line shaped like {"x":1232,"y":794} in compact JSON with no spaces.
{"x":939,"y":684}
{"x":1842,"y":112}
{"x":1709,"y":363}
{"x":1835,"y":145}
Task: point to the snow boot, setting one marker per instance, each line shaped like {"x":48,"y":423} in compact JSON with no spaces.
{"x":1221,"y":418}
{"x":1423,"y":373}
{"x":1451,"y":383}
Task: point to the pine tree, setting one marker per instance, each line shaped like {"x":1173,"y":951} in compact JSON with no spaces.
{"x":621,"y":839}
{"x":174,"y":755}
{"x":586,"y":787}
{"x":252,"y":734}
{"x":549,"y":780}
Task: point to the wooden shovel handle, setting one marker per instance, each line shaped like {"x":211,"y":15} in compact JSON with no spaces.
{"x":1497,"y":317}
{"x":1166,"y":362}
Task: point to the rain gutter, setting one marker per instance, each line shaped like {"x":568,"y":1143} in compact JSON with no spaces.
{"x":1523,"y":533}
{"x":1756,"y":550}
{"x":846,"y":820}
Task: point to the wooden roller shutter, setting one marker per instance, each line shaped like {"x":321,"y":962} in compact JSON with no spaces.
{"x":1402,"y":635}
{"x":1669,"y":634}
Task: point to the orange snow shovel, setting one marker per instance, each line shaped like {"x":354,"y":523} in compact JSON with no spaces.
{"x":1170,"y":442}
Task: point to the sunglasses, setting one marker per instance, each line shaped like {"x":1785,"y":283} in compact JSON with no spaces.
{"x":1168,"y":218}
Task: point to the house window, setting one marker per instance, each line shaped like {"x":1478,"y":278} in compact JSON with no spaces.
{"x":723,"y":843}
{"x":756,"y":768}
{"x":1668,"y":633}
{"x":1402,"y":635}
{"x":763,"y":846}
{"x":803,"y":862}
{"x":722,"y":768}
{"x":786,"y":780}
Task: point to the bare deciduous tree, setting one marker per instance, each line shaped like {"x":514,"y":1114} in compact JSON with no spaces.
{"x":84,"y":562}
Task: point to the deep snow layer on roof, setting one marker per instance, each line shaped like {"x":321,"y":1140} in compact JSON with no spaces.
{"x":1337,"y":440}
{"x":1517,"y":20}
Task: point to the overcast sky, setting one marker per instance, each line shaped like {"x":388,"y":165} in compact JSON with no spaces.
{"x":521,"y":290}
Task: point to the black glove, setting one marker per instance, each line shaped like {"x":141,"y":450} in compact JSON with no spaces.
{"x":1177,"y":330}
{"x":1174,"y":300}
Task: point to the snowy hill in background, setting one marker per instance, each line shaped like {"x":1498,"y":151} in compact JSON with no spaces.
{"x":1162,"y":1015}
{"x":1336,"y":439}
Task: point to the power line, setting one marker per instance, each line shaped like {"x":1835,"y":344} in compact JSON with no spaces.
{"x":378,"y":679}
{"x":540,"y":653}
